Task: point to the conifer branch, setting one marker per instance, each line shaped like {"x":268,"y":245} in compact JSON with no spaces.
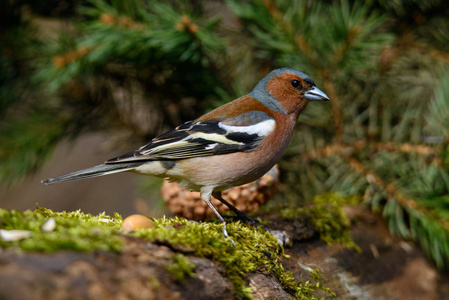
{"x":432,"y":52}
{"x":338,"y":148}
{"x":288,"y":28}
{"x":341,"y":51}
{"x":405,"y":202}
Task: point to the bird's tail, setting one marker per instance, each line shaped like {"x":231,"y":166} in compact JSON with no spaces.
{"x":96,"y":171}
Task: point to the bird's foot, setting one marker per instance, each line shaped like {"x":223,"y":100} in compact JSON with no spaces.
{"x":247,"y":220}
{"x":252,"y":222}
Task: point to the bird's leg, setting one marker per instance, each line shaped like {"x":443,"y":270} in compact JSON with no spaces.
{"x":206,"y":193}
{"x":241,"y":215}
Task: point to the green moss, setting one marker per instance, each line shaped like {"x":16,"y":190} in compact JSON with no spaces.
{"x":326,"y":215}
{"x":316,"y":274}
{"x":74,"y":230}
{"x":253,"y":250}
{"x":154,"y":283}
{"x":181,"y":267}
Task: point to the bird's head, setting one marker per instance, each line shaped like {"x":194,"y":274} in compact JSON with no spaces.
{"x":287,"y":90}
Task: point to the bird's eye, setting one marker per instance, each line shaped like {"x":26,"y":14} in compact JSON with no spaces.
{"x":295,"y":83}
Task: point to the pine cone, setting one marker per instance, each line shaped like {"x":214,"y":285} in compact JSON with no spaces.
{"x":246,"y":197}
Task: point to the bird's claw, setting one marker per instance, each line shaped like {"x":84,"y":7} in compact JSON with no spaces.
{"x":247,"y":220}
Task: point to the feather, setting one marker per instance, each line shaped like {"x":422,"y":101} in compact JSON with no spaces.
{"x":96,"y":171}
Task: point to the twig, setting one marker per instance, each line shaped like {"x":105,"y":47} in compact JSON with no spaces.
{"x":340,"y":148}
{"x":336,"y":111}
{"x":436,"y":54}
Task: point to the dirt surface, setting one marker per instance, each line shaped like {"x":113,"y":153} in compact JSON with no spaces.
{"x":387,"y":268}
{"x":139,"y":272}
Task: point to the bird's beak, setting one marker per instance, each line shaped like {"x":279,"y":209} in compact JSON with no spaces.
{"x":316,"y":94}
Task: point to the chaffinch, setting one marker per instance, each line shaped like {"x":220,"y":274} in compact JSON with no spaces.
{"x":233,"y":144}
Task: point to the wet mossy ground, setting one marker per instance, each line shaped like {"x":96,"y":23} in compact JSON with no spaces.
{"x":89,"y":257}
{"x":326,"y":216}
{"x":254,"y":249}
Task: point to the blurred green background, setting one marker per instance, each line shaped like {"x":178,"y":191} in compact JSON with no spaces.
{"x":82,"y":81}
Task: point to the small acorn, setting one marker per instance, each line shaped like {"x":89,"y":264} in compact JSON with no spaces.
{"x":134,"y":222}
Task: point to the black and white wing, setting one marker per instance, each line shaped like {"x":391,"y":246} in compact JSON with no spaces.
{"x":193,"y":139}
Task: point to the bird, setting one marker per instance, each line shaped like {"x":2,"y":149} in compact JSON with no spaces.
{"x":231,"y":145}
